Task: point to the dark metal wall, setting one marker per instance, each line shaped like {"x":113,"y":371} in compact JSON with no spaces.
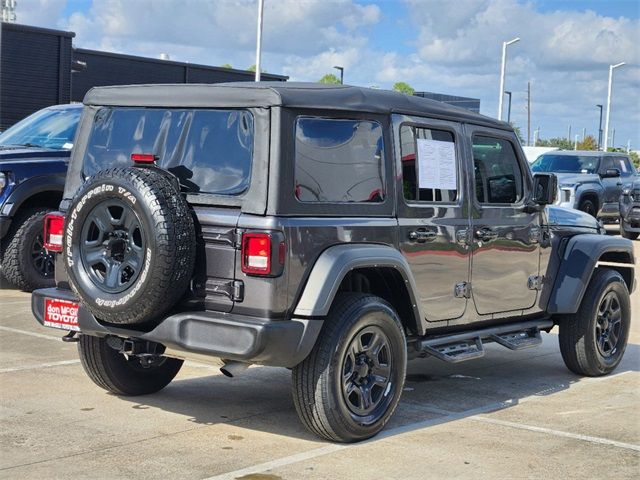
{"x":103,"y":68}
{"x":35,"y":70}
{"x":36,"y":64}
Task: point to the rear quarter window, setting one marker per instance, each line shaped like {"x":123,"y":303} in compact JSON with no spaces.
{"x":210,"y":151}
{"x":339,"y":161}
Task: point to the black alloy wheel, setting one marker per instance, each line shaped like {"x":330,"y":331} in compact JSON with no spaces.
{"x":366,"y":372}
{"x":43,"y":260}
{"x":113,"y":245}
{"x":608,"y":325}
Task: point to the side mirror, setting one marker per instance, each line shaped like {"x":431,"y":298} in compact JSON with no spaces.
{"x":545,"y":188}
{"x":611,"y":173}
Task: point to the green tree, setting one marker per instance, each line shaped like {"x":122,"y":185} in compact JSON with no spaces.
{"x":228,"y":65}
{"x":518,"y":131}
{"x":588,"y":143}
{"x":403,"y":87}
{"x":252,"y":68}
{"x":330,"y":78}
{"x":561,"y":143}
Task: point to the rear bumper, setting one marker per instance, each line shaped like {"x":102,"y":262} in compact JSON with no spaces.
{"x":279,"y":343}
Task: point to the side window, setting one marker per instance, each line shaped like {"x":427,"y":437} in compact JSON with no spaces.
{"x":339,"y":161}
{"x":622,"y":164}
{"x":428,"y":162}
{"x":498,"y":178}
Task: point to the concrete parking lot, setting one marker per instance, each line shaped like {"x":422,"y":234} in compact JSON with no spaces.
{"x":507,"y":415}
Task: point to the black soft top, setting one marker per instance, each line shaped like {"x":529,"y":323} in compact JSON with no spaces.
{"x":281,"y":94}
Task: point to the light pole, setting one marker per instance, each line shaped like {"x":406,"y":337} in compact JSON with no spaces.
{"x":606,"y":122}
{"x":502,"y":72}
{"x":600,"y":128}
{"x":575,"y":145}
{"x":337,"y":67}
{"x":259,"y":39}
{"x":508,"y":107}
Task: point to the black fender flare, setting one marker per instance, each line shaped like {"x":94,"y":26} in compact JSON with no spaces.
{"x":580,"y":258}
{"x":33,"y":186}
{"x":335,"y":262}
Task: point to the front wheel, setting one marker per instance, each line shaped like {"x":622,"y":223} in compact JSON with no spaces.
{"x":587,"y":206}
{"x":627,"y":234}
{"x":122,"y":375}
{"x":350,"y":384}
{"x":593,"y":340}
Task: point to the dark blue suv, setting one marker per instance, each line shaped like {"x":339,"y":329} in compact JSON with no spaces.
{"x":34,"y":155}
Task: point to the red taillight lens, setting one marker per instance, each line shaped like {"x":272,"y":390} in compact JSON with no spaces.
{"x":53,"y":231}
{"x":256,"y":253}
{"x":143,"y":158}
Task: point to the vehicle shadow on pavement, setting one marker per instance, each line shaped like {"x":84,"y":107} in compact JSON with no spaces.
{"x":435,"y":392}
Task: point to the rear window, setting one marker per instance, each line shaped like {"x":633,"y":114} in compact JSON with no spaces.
{"x":339,"y":161}
{"x":210,"y":151}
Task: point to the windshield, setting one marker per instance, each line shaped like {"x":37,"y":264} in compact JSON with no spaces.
{"x":47,"y":128}
{"x":566,"y":164}
{"x":210,"y":151}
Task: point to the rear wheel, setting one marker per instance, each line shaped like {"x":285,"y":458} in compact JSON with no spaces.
{"x":25,"y":262}
{"x":587,"y":206}
{"x":350,"y":384}
{"x":122,"y":375}
{"x":593,"y":340}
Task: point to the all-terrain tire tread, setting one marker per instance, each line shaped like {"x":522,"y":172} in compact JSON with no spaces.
{"x":13,"y":269}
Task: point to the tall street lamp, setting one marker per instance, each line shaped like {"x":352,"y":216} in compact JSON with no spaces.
{"x":606,"y":122}
{"x":502,"y":72}
{"x":259,"y":39}
{"x":337,"y":67}
{"x":508,"y":107}
{"x":600,"y":128}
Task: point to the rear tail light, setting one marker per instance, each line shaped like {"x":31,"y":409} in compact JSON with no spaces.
{"x":53,"y":231}
{"x":256,"y":253}
{"x":143,"y":158}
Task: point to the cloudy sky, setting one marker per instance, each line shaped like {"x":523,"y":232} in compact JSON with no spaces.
{"x":441,"y":46}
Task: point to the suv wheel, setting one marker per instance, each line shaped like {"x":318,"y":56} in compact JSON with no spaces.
{"x":587,"y":206}
{"x":626,"y":234}
{"x":116,"y":373}
{"x":350,"y":384}
{"x":25,"y":262}
{"x":129,"y":245}
{"x":593,"y":340}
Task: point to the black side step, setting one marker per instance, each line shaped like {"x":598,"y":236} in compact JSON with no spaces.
{"x":518,"y":340}
{"x":469,"y":345}
{"x":456,"y":352}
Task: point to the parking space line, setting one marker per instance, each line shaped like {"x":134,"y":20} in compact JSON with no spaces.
{"x":557,"y":433}
{"x":447,"y":416}
{"x":37,"y":367}
{"x":32,"y":334}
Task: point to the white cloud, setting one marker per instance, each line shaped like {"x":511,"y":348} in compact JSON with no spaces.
{"x":456,"y":48}
{"x":41,"y":13}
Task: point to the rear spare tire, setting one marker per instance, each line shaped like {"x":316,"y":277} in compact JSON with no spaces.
{"x":129,"y":245}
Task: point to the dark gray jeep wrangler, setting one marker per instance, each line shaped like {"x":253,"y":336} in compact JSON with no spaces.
{"x":333,"y":230}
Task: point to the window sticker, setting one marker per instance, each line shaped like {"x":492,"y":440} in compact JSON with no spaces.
{"x":437,"y":164}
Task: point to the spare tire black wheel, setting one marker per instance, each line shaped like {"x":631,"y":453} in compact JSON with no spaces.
{"x":129,"y":246}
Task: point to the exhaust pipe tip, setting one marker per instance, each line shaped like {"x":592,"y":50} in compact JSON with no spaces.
{"x":232,"y":369}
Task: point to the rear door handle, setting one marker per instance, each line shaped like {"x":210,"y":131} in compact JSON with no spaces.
{"x":486,"y":234}
{"x":422,"y":236}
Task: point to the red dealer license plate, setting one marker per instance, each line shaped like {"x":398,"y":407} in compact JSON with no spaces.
{"x":61,"y":314}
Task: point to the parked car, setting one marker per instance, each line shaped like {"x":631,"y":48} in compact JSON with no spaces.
{"x":34,"y":154}
{"x":590,"y":181}
{"x":630,"y":210}
{"x":327,"y":229}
